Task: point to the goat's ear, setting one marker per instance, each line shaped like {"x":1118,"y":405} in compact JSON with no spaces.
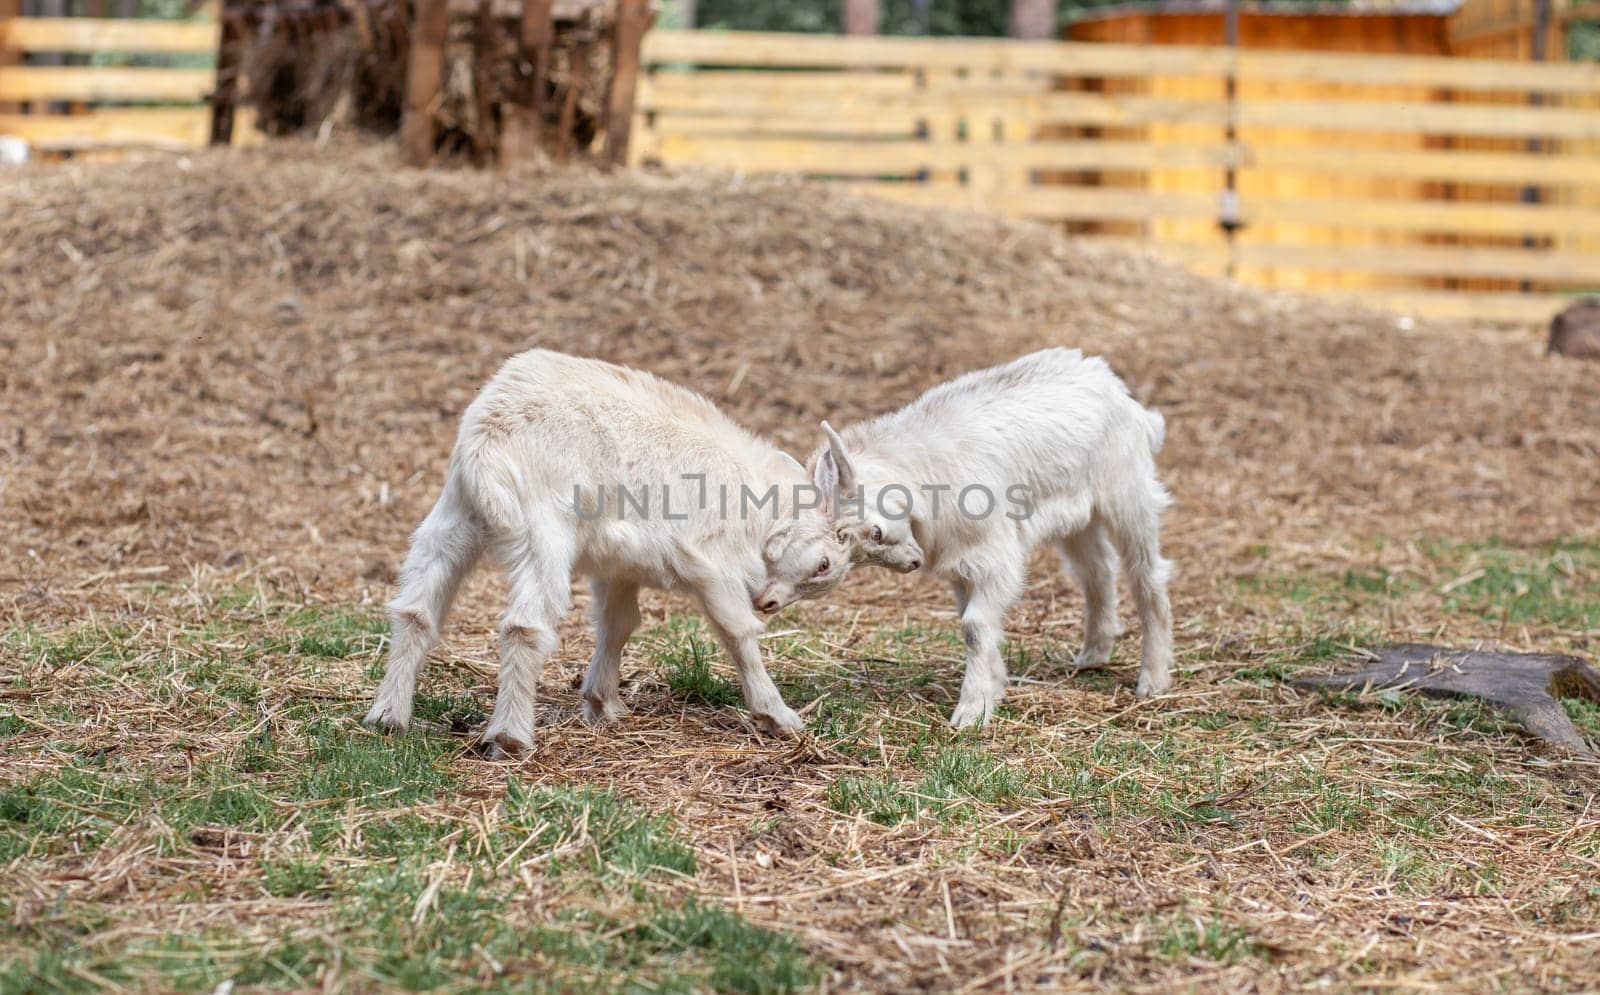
{"x":825,"y":476}
{"x":776,"y":540}
{"x":791,"y":461}
{"x":845,"y":470}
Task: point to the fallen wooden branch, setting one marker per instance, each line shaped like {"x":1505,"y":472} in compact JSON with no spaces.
{"x":1528,"y":686}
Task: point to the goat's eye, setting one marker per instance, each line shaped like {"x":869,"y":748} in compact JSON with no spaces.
{"x":822,"y":567}
{"x":877,"y":534}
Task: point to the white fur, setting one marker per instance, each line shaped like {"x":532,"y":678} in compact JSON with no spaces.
{"x":1063,"y":426}
{"x":549,"y":427}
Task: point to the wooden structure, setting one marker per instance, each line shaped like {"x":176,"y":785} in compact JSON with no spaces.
{"x":287,"y":65}
{"x":136,"y":83}
{"x":1503,"y":29}
{"x":1373,"y":180}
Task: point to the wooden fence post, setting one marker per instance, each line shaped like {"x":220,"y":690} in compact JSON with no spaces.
{"x":525,"y":118}
{"x":8,"y":57}
{"x":424,"y":73}
{"x":225,"y":96}
{"x":633,"y":17}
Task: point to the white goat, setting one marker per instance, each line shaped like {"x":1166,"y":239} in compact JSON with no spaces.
{"x":979,"y":471}
{"x":541,"y":454}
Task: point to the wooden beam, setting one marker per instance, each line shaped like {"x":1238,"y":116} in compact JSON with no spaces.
{"x":1088,"y":59}
{"x":105,"y":83}
{"x":1511,"y":308}
{"x":524,"y":119}
{"x":424,"y":73}
{"x":10,"y":10}
{"x":85,"y":34}
{"x":817,"y":154}
{"x":632,"y":19}
{"x":229,"y":84}
{"x":149,"y":127}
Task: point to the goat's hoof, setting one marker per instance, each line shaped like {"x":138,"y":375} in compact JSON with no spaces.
{"x":972,"y":714}
{"x":1091,"y":659}
{"x":382,"y":719}
{"x":779,"y":722}
{"x":1150,"y":687}
{"x":599,"y":712}
{"x":503,"y":746}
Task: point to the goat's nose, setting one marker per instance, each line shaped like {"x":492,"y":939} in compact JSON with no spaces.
{"x":916,"y":564}
{"x":770,"y":605}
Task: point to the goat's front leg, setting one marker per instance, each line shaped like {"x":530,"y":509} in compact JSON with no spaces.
{"x":738,"y":628}
{"x":616,"y":615}
{"x":983,"y":604}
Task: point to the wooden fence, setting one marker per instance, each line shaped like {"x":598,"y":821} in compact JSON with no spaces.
{"x":1444,"y":186}
{"x":145,"y":84}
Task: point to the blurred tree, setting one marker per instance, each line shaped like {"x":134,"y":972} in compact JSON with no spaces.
{"x":861,"y":17}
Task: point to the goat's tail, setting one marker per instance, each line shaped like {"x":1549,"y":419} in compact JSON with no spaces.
{"x":491,"y":482}
{"x":1155,"y":429}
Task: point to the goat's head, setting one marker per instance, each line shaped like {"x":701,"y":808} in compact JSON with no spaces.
{"x":805,"y":558}
{"x":874,"y":519}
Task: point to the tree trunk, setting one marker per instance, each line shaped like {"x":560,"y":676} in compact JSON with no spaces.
{"x":633,"y":17}
{"x":1033,"y":19}
{"x":862,"y":17}
{"x":424,"y":73}
{"x":525,"y":117}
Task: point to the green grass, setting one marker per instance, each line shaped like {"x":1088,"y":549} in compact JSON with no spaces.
{"x":684,"y":652}
{"x":953,"y":777}
{"x":367,"y":830}
{"x":1185,"y":938}
{"x":232,"y":745}
{"x":736,"y":956}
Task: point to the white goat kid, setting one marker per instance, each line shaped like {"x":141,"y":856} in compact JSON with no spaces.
{"x":979,"y":471}
{"x":539,"y":458}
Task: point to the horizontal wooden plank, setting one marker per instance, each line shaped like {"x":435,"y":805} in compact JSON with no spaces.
{"x":1510,"y":308}
{"x":1040,"y":107}
{"x":1448,"y":72}
{"x":1087,"y":59}
{"x":86,"y":34}
{"x":885,"y":89}
{"x":865,"y":125}
{"x":833,"y":156}
{"x":1504,"y":120}
{"x":795,"y":81}
{"x":751,"y":48}
{"x":126,"y":85}
{"x":1055,"y":203}
{"x":1540,"y":266}
{"x":1461,"y":165}
{"x":1444,"y":217}
{"x":1043,"y":109}
{"x":1088,"y":203}
{"x":838,"y":157}
{"x":156,"y":127}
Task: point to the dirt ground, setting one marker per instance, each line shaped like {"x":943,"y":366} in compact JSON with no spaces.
{"x":230,"y":383}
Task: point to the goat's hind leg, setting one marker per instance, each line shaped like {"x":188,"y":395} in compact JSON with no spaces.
{"x":443,"y":551}
{"x":539,"y":567}
{"x":616,"y":615}
{"x":1093,"y":562}
{"x":1138,"y":538}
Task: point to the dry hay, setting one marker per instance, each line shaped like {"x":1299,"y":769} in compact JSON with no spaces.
{"x":242,"y":372}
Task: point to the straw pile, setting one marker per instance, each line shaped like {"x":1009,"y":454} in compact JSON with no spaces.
{"x":246,"y":369}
